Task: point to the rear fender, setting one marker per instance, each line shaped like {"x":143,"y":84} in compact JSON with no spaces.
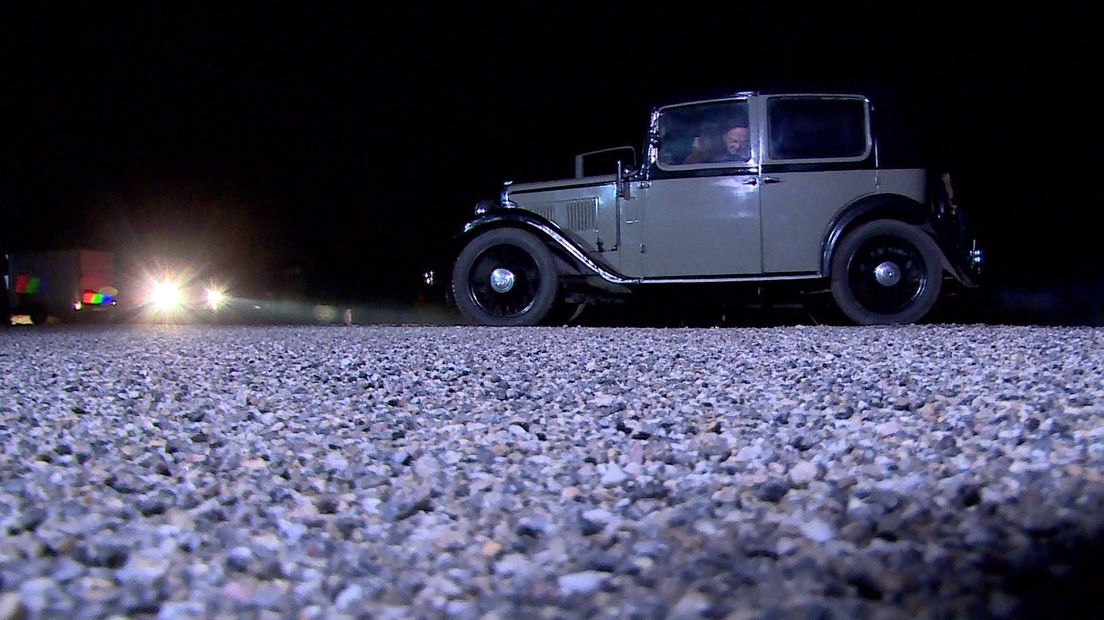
{"x":889,"y":206}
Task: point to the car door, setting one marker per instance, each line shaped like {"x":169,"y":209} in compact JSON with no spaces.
{"x":701,"y":203}
{"x":817,"y":159}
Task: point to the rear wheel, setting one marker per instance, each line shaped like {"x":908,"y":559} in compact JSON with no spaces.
{"x":886,"y":271}
{"x":505,"y":277}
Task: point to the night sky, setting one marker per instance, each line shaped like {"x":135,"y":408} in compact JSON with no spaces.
{"x":349,"y":144}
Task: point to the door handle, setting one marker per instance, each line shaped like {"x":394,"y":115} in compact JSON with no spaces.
{"x":752,"y":181}
{"x":771,"y":180}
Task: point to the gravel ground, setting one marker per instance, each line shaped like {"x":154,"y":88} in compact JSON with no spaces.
{"x":559,"y":472}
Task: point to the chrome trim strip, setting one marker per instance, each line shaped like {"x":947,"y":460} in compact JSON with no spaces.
{"x":580,"y":256}
{"x":804,"y":276}
{"x":594,"y":181}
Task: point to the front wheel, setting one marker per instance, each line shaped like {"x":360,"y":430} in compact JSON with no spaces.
{"x":886,"y":272}
{"x":505,"y":277}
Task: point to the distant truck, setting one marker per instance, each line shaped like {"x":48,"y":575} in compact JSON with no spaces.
{"x":63,"y":286}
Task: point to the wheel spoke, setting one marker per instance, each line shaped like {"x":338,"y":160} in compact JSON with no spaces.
{"x":883,"y":296}
{"x":526,"y":283}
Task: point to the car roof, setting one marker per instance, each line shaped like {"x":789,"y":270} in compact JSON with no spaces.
{"x":757,"y":93}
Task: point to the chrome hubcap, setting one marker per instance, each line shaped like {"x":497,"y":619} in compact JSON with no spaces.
{"x":887,"y":273}
{"x":502,"y":280}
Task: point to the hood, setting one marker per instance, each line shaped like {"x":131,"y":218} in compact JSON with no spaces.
{"x":563,"y":183}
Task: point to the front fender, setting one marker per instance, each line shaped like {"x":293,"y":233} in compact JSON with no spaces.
{"x":547,"y":231}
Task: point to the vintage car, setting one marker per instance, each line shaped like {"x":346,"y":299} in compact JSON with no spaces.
{"x":751,"y":187}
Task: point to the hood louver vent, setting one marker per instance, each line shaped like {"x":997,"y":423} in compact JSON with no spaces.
{"x":546,"y":211}
{"x":571,"y":214}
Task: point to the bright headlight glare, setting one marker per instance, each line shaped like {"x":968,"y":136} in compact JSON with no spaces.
{"x":165,"y":295}
{"x":215,"y":298}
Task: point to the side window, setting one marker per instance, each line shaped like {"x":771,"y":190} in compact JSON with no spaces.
{"x":704,"y":134}
{"x":812,"y":128}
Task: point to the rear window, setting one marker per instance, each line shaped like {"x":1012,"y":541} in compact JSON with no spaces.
{"x":812,"y":128}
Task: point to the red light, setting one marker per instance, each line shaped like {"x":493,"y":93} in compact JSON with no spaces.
{"x":27,"y":285}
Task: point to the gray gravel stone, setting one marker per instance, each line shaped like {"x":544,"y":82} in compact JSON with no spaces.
{"x":184,"y":472}
{"x":772,"y":490}
{"x":584,"y":582}
{"x":10,"y":606}
{"x":803,"y":472}
{"x":613,"y":476}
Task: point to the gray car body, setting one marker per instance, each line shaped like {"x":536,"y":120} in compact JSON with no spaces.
{"x":763,"y":219}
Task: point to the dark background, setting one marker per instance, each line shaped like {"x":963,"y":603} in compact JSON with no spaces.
{"x":331,"y":152}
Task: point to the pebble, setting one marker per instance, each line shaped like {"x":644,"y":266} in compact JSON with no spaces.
{"x":581,"y":583}
{"x":349,"y":598}
{"x":613,"y":476}
{"x":887,"y":428}
{"x":426,"y":466}
{"x":772,"y":491}
{"x":37,"y":594}
{"x":10,"y":606}
{"x":690,"y":606}
{"x":749,"y":453}
{"x":803,"y":472}
{"x":491,"y":549}
{"x":143,"y":570}
{"x":817,"y":530}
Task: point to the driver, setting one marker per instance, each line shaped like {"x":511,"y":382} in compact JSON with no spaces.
{"x":737,"y":144}
{"x":715,"y":147}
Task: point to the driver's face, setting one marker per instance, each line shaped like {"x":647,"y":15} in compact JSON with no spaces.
{"x":736,"y":139}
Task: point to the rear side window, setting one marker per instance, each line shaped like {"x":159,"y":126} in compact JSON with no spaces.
{"x":812,"y":128}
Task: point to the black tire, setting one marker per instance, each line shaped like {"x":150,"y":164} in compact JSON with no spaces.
{"x":886,"y":272}
{"x":533,"y":284}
